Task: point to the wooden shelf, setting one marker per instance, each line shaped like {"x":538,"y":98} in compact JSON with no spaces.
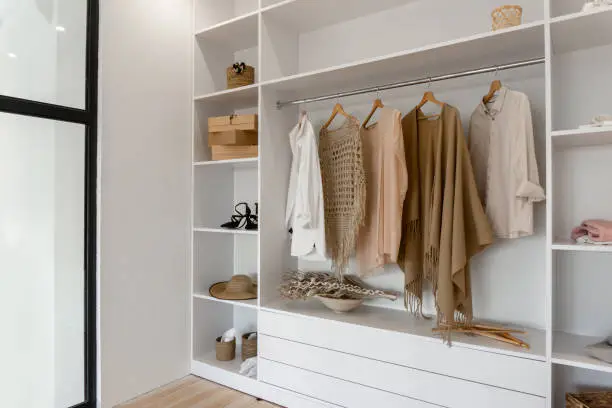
{"x":237,"y":98}
{"x":241,"y":163}
{"x":252,"y":304}
{"x":582,"y":137}
{"x":487,"y":49}
{"x":226,"y":231}
{"x":581,"y":30}
{"x":568,"y":245}
{"x":309,"y":15}
{"x":401,"y":321}
{"x":568,"y":350}
{"x":237,"y":34}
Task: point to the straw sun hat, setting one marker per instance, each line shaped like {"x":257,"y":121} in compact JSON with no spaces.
{"x":240,"y":287}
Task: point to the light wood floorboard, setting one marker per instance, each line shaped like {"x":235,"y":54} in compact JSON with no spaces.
{"x":194,"y":392}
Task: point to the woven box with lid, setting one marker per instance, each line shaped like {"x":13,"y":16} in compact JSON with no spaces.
{"x":589,"y":400}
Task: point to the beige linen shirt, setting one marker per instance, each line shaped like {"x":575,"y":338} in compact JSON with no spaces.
{"x":503,"y":156}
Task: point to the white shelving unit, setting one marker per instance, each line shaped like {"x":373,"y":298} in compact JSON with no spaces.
{"x":308,"y":48}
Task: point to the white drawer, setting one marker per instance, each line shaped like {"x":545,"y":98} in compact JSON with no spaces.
{"x":417,"y":384}
{"x":331,"y":389}
{"x":514,"y":373}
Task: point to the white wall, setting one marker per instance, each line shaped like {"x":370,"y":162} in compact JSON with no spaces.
{"x":145,"y":139}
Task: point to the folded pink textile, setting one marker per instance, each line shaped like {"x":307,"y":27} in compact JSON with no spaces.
{"x":597,"y":230}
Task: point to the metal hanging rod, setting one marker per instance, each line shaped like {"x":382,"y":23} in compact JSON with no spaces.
{"x":420,"y":81}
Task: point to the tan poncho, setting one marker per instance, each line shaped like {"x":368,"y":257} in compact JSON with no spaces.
{"x":443,"y":221}
{"x":344,"y":190}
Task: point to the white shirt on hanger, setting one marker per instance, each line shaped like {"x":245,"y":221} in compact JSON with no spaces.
{"x":503,"y":156}
{"x":305,"y":211}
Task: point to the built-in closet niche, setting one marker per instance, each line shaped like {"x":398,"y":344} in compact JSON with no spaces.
{"x":579,"y":191}
{"x":209,"y":13}
{"x":571,"y":379}
{"x":560,"y":8}
{"x":508,"y":279}
{"x":581,"y":63}
{"x":210,"y":320}
{"x":302,"y":37}
{"x":218,"y":47}
{"x":222,"y":104}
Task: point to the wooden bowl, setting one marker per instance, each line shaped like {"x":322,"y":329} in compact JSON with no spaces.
{"x":340,"y":305}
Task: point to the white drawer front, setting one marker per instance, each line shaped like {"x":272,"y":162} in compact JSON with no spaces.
{"x":421,"y":385}
{"x":518,"y":374}
{"x":331,"y":389}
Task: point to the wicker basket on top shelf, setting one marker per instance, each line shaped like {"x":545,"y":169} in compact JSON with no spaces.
{"x":239,"y":75}
{"x":589,"y":400}
{"x":507,"y":16}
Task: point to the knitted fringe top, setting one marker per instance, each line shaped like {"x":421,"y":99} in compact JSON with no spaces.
{"x":344,"y":190}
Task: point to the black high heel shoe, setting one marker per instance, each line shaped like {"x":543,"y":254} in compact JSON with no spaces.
{"x":252,"y":220}
{"x":241,"y":219}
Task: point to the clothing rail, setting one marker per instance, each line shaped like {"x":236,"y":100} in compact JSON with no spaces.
{"x":420,"y":81}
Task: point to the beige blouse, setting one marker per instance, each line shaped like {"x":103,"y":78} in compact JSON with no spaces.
{"x":503,"y":156}
{"x":384,"y":162}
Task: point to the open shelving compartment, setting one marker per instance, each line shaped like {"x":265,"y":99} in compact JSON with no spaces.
{"x":519,"y":265}
{"x":581,"y":62}
{"x":537,"y":283}
{"x":219,"y":45}
{"x":209,"y":317}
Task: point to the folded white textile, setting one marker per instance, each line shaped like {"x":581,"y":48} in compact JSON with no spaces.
{"x":594,"y":4}
{"x":586,"y":240}
{"x":249,"y":367}
{"x":599,"y":121}
{"x":228,"y":336}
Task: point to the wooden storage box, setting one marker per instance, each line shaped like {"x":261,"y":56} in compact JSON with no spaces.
{"x":589,"y":400}
{"x":232,"y":122}
{"x":233,"y":137}
{"x":221,"y":152}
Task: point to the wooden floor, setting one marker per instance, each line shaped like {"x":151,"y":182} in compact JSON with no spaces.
{"x":194,"y":392}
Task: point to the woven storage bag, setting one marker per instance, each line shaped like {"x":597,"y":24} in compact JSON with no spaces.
{"x":506,"y":16}
{"x":226,"y":351}
{"x":236,"y":80}
{"x":249,"y":347}
{"x":589,"y":400}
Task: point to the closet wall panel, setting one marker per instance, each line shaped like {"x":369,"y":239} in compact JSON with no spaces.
{"x":144,"y":219}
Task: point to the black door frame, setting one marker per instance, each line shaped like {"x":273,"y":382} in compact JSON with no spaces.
{"x":89,"y":118}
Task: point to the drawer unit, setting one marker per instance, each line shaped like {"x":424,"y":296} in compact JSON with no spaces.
{"x":421,"y":353}
{"x":332,"y":390}
{"x":393,"y":378}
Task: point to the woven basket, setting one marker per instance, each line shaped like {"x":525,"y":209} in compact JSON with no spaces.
{"x":506,"y":16}
{"x":589,"y":400}
{"x":249,"y":347}
{"x":226,"y":351}
{"x":246,"y":77}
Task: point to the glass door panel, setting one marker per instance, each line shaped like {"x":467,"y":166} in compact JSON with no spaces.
{"x":42,"y":276}
{"x":43,"y":50}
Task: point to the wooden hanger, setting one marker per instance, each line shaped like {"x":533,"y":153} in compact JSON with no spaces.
{"x":378,"y":104}
{"x":429,"y":97}
{"x":495,"y":87}
{"x":338,"y":109}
